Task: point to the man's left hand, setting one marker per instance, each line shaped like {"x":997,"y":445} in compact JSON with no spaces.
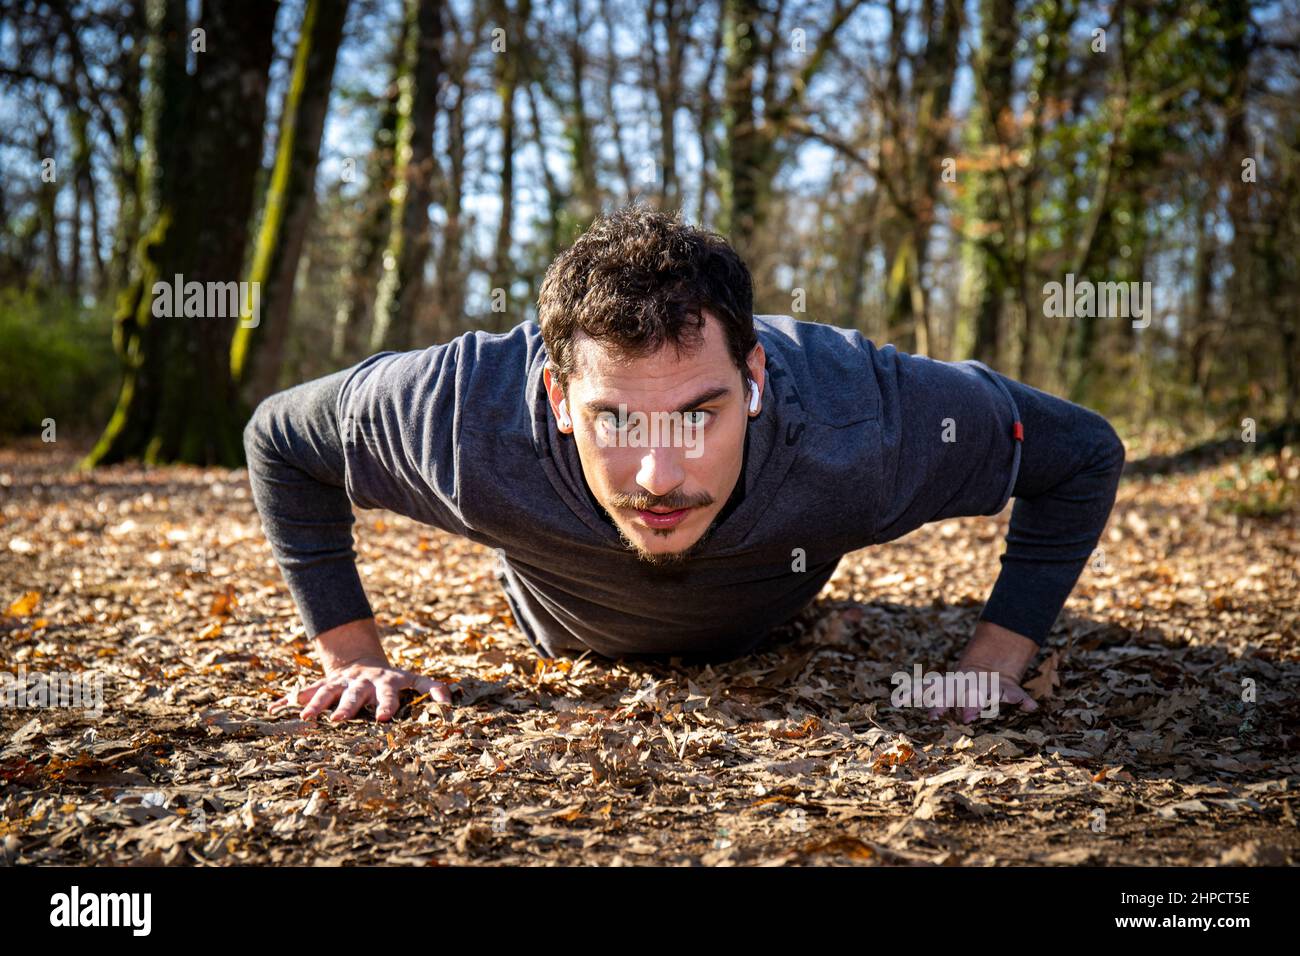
{"x":994,"y":649}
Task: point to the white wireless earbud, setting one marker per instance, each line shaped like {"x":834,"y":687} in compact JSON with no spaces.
{"x":563,"y":414}
{"x":753,"y":396}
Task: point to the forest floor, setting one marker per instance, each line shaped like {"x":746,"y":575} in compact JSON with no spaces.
{"x":1167,"y":732}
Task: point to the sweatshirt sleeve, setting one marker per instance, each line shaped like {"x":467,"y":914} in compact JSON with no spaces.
{"x":379,"y":435}
{"x":297,"y":474}
{"x":1070,"y":468}
{"x":960,"y":439}
{"x":948,"y":445}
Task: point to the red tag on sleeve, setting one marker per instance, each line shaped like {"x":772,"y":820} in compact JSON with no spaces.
{"x":1018,"y":431}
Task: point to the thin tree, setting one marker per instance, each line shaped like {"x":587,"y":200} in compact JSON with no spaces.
{"x":355,"y":310}
{"x":257,"y":351}
{"x":402,"y":285}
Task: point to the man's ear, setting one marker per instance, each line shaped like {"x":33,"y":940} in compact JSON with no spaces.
{"x":555,"y":395}
{"x":756,"y":362}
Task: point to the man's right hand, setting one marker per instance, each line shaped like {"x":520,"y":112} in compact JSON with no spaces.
{"x":357,"y":675}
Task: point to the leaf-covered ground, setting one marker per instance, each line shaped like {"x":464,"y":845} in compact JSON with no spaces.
{"x":1148,"y":747}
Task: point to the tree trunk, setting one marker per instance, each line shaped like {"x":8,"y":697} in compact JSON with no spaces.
{"x":402,"y":285}
{"x":910,"y":307}
{"x":355,"y":310}
{"x":79,"y":190}
{"x":612,"y":74}
{"x":581,"y":141}
{"x":86,"y":180}
{"x":450,"y":290}
{"x":507,"y":77}
{"x":257,"y":351}
{"x":705,"y":114}
{"x":851,"y":271}
{"x":47,"y":204}
{"x":993,"y":79}
{"x":204,"y":145}
{"x":742,"y":161}
{"x":549,"y":243}
{"x":667,"y":86}
{"x":754,"y":151}
{"x":126,"y":174}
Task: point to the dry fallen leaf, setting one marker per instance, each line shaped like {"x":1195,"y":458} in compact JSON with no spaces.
{"x":808,"y":727}
{"x":223,"y":604}
{"x":25,"y":605}
{"x":848,"y":846}
{"x":894,"y":757}
{"x":1041,"y":687}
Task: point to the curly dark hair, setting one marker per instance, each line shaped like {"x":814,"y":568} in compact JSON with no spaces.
{"x":638,"y":278}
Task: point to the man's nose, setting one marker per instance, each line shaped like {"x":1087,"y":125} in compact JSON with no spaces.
{"x":661,"y":470}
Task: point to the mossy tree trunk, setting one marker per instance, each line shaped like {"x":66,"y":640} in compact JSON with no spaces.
{"x":203,"y":136}
{"x":744,"y":145}
{"x":506,"y":70}
{"x":920,"y":172}
{"x":258,"y":351}
{"x":449,"y":291}
{"x":402,"y":285}
{"x":353,"y":317}
{"x":993,"y":80}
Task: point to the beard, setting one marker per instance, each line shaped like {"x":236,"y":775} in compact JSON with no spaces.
{"x":666,"y":560}
{"x":643,"y":502}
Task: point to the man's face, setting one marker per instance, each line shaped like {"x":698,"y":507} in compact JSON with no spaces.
{"x":661,"y":437}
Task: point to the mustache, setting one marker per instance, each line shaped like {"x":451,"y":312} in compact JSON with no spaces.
{"x":674,"y":500}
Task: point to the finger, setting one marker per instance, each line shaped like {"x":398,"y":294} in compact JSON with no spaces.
{"x":947,"y":705}
{"x":358,"y":694}
{"x":435,"y":689}
{"x":1027,"y":703}
{"x":1015,"y":694}
{"x":324,"y":698}
{"x":941,"y":709}
{"x":307,"y":693}
{"x":299,"y":696}
{"x":388,"y":701}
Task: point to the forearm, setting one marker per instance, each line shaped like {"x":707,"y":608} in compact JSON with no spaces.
{"x":1069,"y":472}
{"x":296,"y":471}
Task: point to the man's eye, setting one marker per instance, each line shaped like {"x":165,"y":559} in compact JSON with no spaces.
{"x":700,"y":418}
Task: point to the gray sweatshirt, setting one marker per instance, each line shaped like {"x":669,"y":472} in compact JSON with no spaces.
{"x":854,"y":446}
